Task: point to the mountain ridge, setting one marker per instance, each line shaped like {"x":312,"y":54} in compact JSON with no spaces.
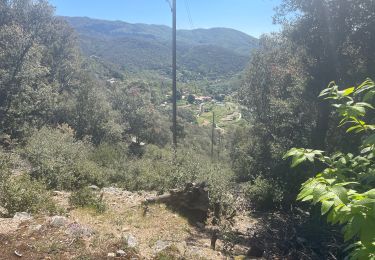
{"x":134,"y":47}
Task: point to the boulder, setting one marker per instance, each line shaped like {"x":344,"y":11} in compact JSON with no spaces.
{"x":120,"y":253}
{"x":22,"y":216}
{"x":160,"y":245}
{"x":77,"y":230}
{"x":111,"y":255}
{"x":58,"y":221}
{"x":130,"y":240}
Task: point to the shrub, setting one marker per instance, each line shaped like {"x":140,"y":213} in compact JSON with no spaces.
{"x":4,"y":166}
{"x":22,"y":194}
{"x":264,"y":194}
{"x":345,"y":186}
{"x":62,"y":161}
{"x":85,"y":197}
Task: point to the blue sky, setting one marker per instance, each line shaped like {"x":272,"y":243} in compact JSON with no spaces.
{"x":253,"y":17}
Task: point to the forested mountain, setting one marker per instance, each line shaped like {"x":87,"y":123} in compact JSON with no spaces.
{"x":135,"y":47}
{"x":79,"y":147}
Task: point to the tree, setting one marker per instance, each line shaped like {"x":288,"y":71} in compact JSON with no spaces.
{"x":329,"y":31}
{"x":191,"y":99}
{"x":345,"y":187}
{"x":139,"y":115}
{"x":37,"y":63}
{"x":272,"y":92}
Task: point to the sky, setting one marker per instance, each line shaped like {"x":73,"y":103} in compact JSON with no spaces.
{"x":253,"y":17}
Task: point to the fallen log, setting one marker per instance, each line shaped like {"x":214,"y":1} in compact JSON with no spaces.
{"x":193,"y":198}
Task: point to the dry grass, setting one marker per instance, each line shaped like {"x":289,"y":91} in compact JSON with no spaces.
{"x":125,"y":215}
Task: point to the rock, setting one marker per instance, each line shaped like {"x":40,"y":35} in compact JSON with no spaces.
{"x":22,"y":216}
{"x":34,"y":228}
{"x":125,"y":229}
{"x":120,"y":253}
{"x":160,"y":245}
{"x":77,"y":230}
{"x":181,"y":247}
{"x":111,"y":255}
{"x":200,"y":225}
{"x":93,"y":187}
{"x":130,"y":240}
{"x":17,"y":253}
{"x":112,"y":190}
{"x":240,"y":250}
{"x":57,"y":193}
{"x":58,"y":221}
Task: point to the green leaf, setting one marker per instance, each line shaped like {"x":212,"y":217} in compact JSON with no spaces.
{"x":368,"y":231}
{"x":340,"y":192}
{"x":369,"y":140}
{"x":298,"y":160}
{"x":356,"y":127}
{"x":348,"y":91}
{"x":309,"y":197}
{"x":326,"y":206}
{"x":353,"y":227}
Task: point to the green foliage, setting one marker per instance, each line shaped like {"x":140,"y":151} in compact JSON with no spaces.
{"x":37,"y":62}
{"x":191,"y":99}
{"x":345,"y":187}
{"x":264,"y":194}
{"x":143,"y":122}
{"x":85,"y":197}
{"x":62,"y":161}
{"x":93,"y":114}
{"x":4,"y":166}
{"x":22,"y":194}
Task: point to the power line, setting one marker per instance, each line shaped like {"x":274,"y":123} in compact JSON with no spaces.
{"x":170,"y":4}
{"x":189,"y":14}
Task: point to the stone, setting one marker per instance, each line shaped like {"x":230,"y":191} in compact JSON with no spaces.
{"x":240,"y":250}
{"x":112,"y":190}
{"x":17,"y":253}
{"x":22,"y":216}
{"x":58,"y":221}
{"x":57,"y":193}
{"x":181,"y":247}
{"x":200,"y":225}
{"x":120,"y":253}
{"x":93,"y":187}
{"x":160,"y":245}
{"x":130,"y":240}
{"x":125,"y":229}
{"x":34,"y":228}
{"x":111,"y":255}
{"x":77,"y":230}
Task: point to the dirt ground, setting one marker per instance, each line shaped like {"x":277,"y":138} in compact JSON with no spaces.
{"x":152,"y":233}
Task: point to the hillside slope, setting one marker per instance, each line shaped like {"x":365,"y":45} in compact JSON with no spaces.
{"x":136,"y":47}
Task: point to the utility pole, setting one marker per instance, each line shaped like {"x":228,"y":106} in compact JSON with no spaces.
{"x":174,"y":76}
{"x":212,"y":136}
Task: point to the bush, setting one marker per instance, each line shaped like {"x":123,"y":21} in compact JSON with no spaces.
{"x":264,"y":194}
{"x":85,"y":197}
{"x":22,"y":194}
{"x":62,"y":161}
{"x":4,"y":166}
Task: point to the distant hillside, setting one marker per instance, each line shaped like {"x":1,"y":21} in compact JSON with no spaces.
{"x":136,"y":47}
